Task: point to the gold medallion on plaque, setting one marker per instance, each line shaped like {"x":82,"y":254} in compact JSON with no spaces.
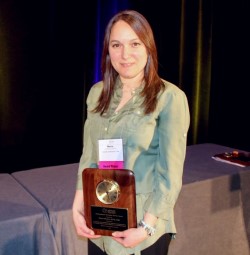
{"x":109,"y":200}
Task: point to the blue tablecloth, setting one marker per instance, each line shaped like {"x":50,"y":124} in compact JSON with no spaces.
{"x":212,"y":213}
{"x":24,"y":225}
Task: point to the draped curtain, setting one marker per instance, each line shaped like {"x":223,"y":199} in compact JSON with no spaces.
{"x":195,"y":64}
{"x":50,"y":57}
{"x":214,"y":52}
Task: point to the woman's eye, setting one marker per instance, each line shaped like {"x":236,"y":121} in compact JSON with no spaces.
{"x":135,"y":44}
{"x":116,"y":45}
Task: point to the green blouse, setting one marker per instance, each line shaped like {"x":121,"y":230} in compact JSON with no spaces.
{"x":154,"y":148}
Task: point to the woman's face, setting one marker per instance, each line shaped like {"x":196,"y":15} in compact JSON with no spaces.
{"x":127,"y":53}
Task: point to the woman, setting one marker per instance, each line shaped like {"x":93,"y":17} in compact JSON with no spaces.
{"x":151,"y":116}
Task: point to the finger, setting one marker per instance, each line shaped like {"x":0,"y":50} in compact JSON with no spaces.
{"x":86,"y":232}
{"x":118,"y":234}
{"x":92,"y":236}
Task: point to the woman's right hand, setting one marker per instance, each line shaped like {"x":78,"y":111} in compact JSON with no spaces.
{"x":78,"y":217}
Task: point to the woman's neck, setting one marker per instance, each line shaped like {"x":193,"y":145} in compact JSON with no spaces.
{"x":131,"y":84}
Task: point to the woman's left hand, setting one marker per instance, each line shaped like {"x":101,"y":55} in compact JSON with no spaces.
{"x":131,"y":237}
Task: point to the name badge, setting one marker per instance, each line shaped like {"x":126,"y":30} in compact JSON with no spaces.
{"x":110,"y":154}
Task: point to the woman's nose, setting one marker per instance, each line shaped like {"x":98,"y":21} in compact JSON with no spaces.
{"x":125,"y":52}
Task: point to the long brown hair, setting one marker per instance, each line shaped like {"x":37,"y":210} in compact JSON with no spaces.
{"x":153,"y":84}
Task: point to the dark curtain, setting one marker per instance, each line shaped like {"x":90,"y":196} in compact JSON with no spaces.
{"x":46,"y":60}
{"x":195,"y":64}
{"x":213,"y":70}
{"x":50,"y":57}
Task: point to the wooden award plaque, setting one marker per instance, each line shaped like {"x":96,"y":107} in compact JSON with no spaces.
{"x":109,"y":200}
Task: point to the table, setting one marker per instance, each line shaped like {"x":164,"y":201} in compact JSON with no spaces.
{"x":200,"y":166}
{"x":54,"y":188}
{"x":212,"y":213}
{"x":24,"y":225}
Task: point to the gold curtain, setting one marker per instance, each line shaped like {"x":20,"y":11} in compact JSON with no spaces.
{"x":195,"y":64}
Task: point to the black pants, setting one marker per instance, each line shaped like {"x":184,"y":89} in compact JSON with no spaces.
{"x":160,"y":247}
